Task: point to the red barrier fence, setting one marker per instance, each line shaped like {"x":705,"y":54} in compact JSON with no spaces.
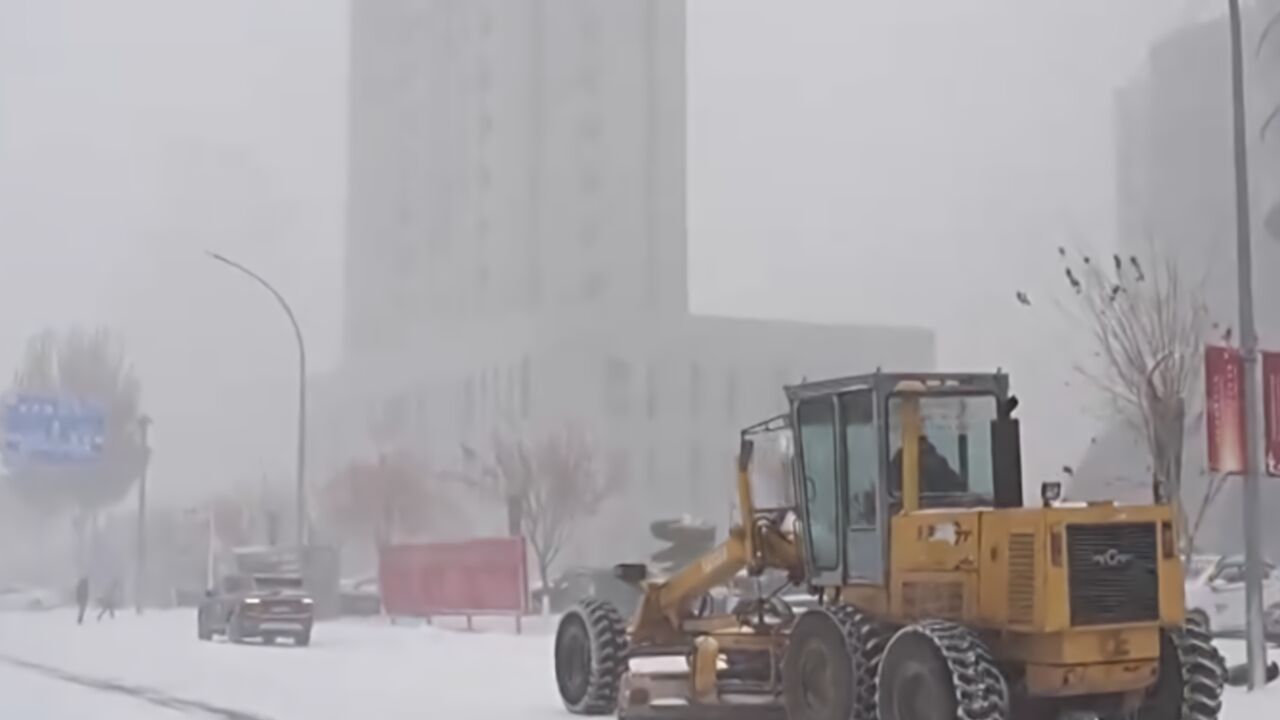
{"x":487,"y":576}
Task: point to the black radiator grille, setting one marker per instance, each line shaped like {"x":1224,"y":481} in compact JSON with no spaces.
{"x":1112,"y":573}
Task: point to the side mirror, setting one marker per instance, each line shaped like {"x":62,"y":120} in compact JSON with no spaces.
{"x":1006,"y":409}
{"x":1050,"y":493}
{"x":1006,"y":461}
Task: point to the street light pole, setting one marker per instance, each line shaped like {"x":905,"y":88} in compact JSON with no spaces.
{"x":140,"y":572}
{"x":301,"y":460}
{"x":1257,"y":649}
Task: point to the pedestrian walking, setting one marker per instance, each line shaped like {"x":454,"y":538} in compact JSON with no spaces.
{"x":82,"y":598}
{"x":109,"y":600}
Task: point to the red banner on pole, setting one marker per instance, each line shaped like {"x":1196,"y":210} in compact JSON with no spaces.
{"x":1224,"y":409}
{"x":1271,"y":410}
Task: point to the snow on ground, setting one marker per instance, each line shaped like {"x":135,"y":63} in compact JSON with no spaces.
{"x":352,"y":669}
{"x":25,"y":694}
{"x":1241,"y":705}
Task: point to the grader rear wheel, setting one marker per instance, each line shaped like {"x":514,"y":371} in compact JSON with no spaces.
{"x":591,"y":656}
{"x":1192,"y":676}
{"x":937,"y":670}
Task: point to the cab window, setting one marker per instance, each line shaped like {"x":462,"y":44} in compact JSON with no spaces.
{"x":955,"y":448}
{"x":862,"y":461}
{"x":816,"y":419}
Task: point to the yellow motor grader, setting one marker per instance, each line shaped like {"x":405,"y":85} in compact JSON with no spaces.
{"x":941,"y":597}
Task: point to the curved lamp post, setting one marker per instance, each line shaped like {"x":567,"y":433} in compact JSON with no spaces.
{"x":300,"y":489}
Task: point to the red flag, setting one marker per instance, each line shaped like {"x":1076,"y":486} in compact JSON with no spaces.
{"x":1224,"y":409}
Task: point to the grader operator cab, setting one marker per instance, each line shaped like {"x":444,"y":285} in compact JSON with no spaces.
{"x":941,"y":596}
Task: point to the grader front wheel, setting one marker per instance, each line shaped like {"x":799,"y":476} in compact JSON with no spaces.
{"x":591,"y":656}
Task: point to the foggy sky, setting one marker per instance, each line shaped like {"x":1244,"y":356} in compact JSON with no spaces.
{"x":890,"y":163}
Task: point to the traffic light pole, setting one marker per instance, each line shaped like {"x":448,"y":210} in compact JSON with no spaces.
{"x":1257,"y":649}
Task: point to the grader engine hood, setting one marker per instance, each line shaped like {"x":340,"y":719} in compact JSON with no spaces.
{"x":1039,"y":570}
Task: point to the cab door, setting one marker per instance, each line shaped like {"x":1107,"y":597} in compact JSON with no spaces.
{"x":859,"y":459}
{"x":820,"y":492}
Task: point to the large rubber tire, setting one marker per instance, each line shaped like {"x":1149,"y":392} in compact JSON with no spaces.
{"x":829,"y":669}
{"x":1192,"y":676}
{"x":234,"y":632}
{"x":1199,"y":618}
{"x":590,"y":656}
{"x":302,"y":639}
{"x":937,"y":670}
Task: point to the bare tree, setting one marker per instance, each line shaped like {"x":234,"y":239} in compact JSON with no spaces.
{"x":1212,"y":489}
{"x":1147,"y":328}
{"x":550,"y":485}
{"x":381,"y":500}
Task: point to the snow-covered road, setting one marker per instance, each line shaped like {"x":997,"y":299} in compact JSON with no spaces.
{"x":153,"y":668}
{"x":24,"y":694}
{"x":351,"y":670}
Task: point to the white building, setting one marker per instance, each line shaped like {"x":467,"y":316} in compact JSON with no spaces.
{"x":516,"y":257}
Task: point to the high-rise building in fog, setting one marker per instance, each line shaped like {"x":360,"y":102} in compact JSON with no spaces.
{"x":516,"y":258}
{"x":513,"y":158}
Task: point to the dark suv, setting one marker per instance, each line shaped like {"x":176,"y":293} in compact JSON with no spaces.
{"x":267,"y":607}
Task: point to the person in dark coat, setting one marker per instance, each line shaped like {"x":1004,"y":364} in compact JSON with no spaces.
{"x":936,"y":474}
{"x":109,"y":600}
{"x":82,"y":597}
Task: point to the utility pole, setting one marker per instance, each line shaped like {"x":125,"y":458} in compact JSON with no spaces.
{"x":1257,"y":649}
{"x":140,"y":573}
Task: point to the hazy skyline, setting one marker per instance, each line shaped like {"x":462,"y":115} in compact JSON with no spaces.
{"x":910,"y":164}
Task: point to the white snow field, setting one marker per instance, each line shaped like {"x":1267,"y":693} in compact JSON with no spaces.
{"x":154,"y":668}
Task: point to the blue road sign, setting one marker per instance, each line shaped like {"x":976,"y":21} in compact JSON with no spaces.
{"x":52,"y":429}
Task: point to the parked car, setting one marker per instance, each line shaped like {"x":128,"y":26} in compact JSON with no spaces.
{"x":583,"y":582}
{"x":1215,"y":592}
{"x":267,"y":607}
{"x":360,"y":597}
{"x":1271,"y":623}
{"x":21,"y":597}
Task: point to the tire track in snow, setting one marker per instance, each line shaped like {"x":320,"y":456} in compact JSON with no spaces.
{"x":155,"y":697}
